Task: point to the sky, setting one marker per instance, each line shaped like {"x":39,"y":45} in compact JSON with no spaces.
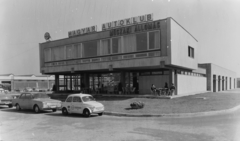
{"x":214,"y":23}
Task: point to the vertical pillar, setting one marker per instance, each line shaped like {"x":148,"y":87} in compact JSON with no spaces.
{"x":226,"y":83}
{"x":86,"y":80}
{"x":12,"y":83}
{"x":57,"y":82}
{"x":123,"y":79}
{"x":71,"y":82}
{"x":219,"y":83}
{"x":216,"y":81}
{"x":173,"y":80}
{"x":223,"y":83}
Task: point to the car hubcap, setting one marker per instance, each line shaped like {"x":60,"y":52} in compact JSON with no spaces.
{"x":36,"y":109}
{"x":17,"y":107}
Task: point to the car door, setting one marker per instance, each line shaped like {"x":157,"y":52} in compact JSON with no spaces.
{"x":27,"y":102}
{"x":77,"y":104}
{"x":68,"y":104}
{"x":21,"y":100}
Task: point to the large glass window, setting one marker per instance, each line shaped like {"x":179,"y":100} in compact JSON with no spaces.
{"x":154,"y":40}
{"x":106,"y":48}
{"x":129,"y":43}
{"x":79,"y":51}
{"x":90,"y":49}
{"x":47,"y":54}
{"x":116,"y":45}
{"x":58,"y":53}
{"x":141,"y":41}
{"x":71,"y":51}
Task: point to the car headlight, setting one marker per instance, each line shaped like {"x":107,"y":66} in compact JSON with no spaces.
{"x":45,"y":104}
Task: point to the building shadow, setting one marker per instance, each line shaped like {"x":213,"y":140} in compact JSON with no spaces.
{"x":58,"y":114}
{"x":13,"y":110}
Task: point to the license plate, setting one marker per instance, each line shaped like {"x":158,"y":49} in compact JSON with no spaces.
{"x":53,"y":106}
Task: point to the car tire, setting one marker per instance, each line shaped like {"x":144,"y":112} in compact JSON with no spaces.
{"x":86,"y":113}
{"x":64,"y":111}
{"x":18,"y":107}
{"x":54,"y":110}
{"x":36,"y":109}
{"x":10,"y":105}
{"x":100,"y":114}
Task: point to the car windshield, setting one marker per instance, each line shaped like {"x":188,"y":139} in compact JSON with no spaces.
{"x":40,"y":96}
{"x":87,"y":98}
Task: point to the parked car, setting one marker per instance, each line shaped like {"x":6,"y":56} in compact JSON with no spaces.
{"x":6,"y":99}
{"x":36,"y":101}
{"x":82,"y":104}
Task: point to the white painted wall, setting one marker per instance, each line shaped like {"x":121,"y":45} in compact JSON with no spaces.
{"x":145,"y":82}
{"x":187,"y":84}
{"x":180,"y":40}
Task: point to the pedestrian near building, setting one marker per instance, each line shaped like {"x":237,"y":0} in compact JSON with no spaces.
{"x":153,"y":89}
{"x":172,"y":89}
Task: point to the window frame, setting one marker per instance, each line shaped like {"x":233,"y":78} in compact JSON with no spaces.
{"x":158,"y":42}
{"x":190,"y":52}
{"x":75,"y":98}
{"x":69,"y":98}
{"x":120,"y":40}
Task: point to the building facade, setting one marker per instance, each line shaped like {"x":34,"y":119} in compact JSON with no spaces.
{"x":128,"y":57}
{"x":21,"y":82}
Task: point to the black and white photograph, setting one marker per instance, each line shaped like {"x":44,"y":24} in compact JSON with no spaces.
{"x":119,"y":70}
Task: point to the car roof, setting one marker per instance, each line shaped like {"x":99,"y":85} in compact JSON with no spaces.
{"x":33,"y":93}
{"x":81,"y":94}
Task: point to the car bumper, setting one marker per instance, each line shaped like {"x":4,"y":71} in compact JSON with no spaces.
{"x":5,"y":103}
{"x":51,"y":108}
{"x":96,"y":111}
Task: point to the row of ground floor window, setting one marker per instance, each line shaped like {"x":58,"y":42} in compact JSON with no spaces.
{"x":130,"y":82}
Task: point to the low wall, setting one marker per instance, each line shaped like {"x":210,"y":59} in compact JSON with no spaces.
{"x":187,"y":84}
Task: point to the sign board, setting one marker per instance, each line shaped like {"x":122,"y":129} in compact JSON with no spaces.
{"x":128,"y":21}
{"x":135,"y":28}
{"x":82,"y":31}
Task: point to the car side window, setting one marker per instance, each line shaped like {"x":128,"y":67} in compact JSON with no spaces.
{"x":69,"y":99}
{"x":23,"y":96}
{"x":76,"y":99}
{"x":28,"y":96}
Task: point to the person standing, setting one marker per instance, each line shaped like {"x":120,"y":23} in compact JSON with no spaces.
{"x":153,"y":89}
{"x":172,"y":89}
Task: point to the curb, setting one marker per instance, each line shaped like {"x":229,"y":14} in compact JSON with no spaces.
{"x":209,"y":113}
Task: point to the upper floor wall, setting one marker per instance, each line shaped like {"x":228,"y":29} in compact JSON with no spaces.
{"x":164,"y":40}
{"x":183,"y":47}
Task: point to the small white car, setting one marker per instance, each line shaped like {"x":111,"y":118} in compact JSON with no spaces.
{"x":82,"y":104}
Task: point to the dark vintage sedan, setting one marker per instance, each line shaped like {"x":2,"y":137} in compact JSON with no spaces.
{"x":6,"y":99}
{"x":36,"y":101}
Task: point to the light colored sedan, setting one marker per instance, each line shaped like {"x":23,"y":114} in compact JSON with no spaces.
{"x":6,"y":100}
{"x":36,"y":101}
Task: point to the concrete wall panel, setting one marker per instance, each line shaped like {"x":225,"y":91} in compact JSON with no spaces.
{"x":190,"y":84}
{"x":180,"y":40}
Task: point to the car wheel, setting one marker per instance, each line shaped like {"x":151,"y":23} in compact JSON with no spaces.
{"x":100,"y":114}
{"x":36,"y":109}
{"x":10,"y":105}
{"x":18,"y":107}
{"x":86,"y":113}
{"x":64,"y":111}
{"x":54,"y":110}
